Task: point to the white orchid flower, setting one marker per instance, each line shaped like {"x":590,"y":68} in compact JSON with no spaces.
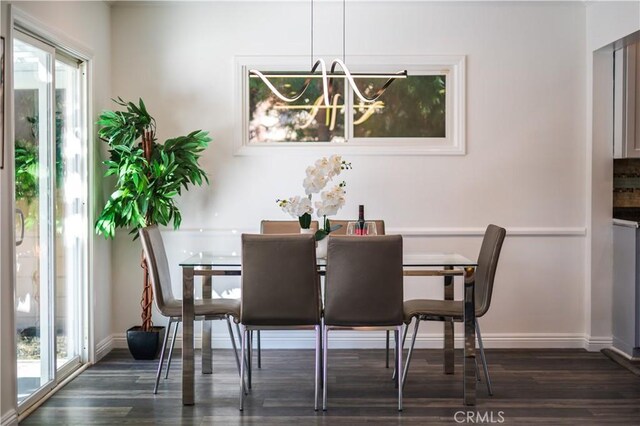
{"x":314,"y":183}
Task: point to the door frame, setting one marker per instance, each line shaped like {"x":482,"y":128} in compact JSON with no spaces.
{"x":24,"y":23}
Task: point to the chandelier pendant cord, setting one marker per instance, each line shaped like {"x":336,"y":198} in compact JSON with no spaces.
{"x":344,"y":31}
{"x":326,"y":77}
{"x":311,"y":59}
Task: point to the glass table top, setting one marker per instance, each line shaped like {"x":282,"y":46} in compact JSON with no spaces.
{"x":205,"y":259}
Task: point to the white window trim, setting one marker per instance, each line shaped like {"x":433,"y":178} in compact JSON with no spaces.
{"x":451,"y":65}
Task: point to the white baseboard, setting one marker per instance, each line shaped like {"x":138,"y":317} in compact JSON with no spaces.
{"x":376,"y":340}
{"x":103,"y":347}
{"x":10,"y":418}
{"x":596,"y":344}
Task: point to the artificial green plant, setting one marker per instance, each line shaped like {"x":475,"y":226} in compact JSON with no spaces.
{"x":149,"y":175}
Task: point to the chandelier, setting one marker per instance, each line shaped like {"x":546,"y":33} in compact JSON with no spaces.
{"x":319,"y":70}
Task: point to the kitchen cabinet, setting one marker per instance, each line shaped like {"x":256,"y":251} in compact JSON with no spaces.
{"x":626,"y":287}
{"x":626,"y":98}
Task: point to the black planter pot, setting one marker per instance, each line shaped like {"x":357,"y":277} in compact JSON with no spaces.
{"x":145,"y":344}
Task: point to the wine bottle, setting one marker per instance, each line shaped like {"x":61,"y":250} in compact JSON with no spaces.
{"x":360,"y":226}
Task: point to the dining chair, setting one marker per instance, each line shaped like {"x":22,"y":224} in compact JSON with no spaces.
{"x":280,"y":291}
{"x":452,"y":310}
{"x":283,"y":226}
{"x":171,"y":307}
{"x":380,"y":230}
{"x":363,"y":291}
{"x":277,"y":227}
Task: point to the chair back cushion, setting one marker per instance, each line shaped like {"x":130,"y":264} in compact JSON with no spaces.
{"x":343,"y":229}
{"x":364,"y":281}
{"x":280,"y":283}
{"x":283,"y":226}
{"x":158,"y":265}
{"x":487,"y":265}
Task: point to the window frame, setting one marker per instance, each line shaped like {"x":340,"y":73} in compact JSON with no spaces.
{"x":453,"y":66}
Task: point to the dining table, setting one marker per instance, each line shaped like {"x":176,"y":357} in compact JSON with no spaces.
{"x":446,"y":265}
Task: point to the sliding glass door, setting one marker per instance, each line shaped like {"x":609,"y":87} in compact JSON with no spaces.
{"x":50,"y":203}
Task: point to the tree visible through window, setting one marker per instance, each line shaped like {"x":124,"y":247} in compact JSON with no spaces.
{"x":306,"y":120}
{"x":414,"y":107}
{"x":410,"y":108}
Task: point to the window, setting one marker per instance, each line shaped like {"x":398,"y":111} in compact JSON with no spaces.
{"x":306,"y":120}
{"x":422,"y":114}
{"x":414,"y":107}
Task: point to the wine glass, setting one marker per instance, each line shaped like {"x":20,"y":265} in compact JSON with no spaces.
{"x":370,"y":228}
{"x":351,"y":228}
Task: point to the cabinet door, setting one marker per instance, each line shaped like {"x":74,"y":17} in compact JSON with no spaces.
{"x":632,"y":100}
{"x":619,"y":131}
{"x":626,"y":111}
{"x":624,"y":287}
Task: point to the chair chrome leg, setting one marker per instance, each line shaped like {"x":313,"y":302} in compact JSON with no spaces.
{"x":477,"y":370}
{"x":239,"y":334}
{"x":396,"y":339}
{"x":325,"y":341}
{"x":399,"y":352}
{"x":404,"y":338}
{"x":259,"y":350}
{"x":404,"y":335}
{"x":387,"y":349}
{"x":413,"y":343}
{"x":484,"y":360}
{"x":317,"y":372}
{"x":321,"y":353}
{"x":173,"y":343}
{"x":164,"y":348}
{"x":249,"y":357}
{"x":235,"y":349}
{"x":242,"y":367}
{"x":233,"y":343}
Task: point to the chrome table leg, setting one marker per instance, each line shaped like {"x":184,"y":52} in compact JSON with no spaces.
{"x":469,"y":337}
{"x":188,"y":384}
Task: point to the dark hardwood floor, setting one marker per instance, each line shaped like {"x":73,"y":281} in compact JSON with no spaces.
{"x":549,"y":387}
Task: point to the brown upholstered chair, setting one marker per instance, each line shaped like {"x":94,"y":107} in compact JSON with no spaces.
{"x":169,"y":306}
{"x":280,"y":290}
{"x":380,"y":229}
{"x":452,"y":310}
{"x":363,"y":289}
{"x":276,"y":227}
{"x":283,"y":226}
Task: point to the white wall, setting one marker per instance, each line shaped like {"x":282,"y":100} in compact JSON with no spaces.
{"x":525,"y":168}
{"x":85,"y":24}
{"x":607,"y":22}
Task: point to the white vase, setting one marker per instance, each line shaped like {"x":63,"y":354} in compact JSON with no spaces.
{"x":321,"y":248}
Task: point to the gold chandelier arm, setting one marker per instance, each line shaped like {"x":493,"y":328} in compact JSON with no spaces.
{"x":312,"y":114}
{"x":371,"y":109}
{"x":352,"y":83}
{"x":334,"y":111}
